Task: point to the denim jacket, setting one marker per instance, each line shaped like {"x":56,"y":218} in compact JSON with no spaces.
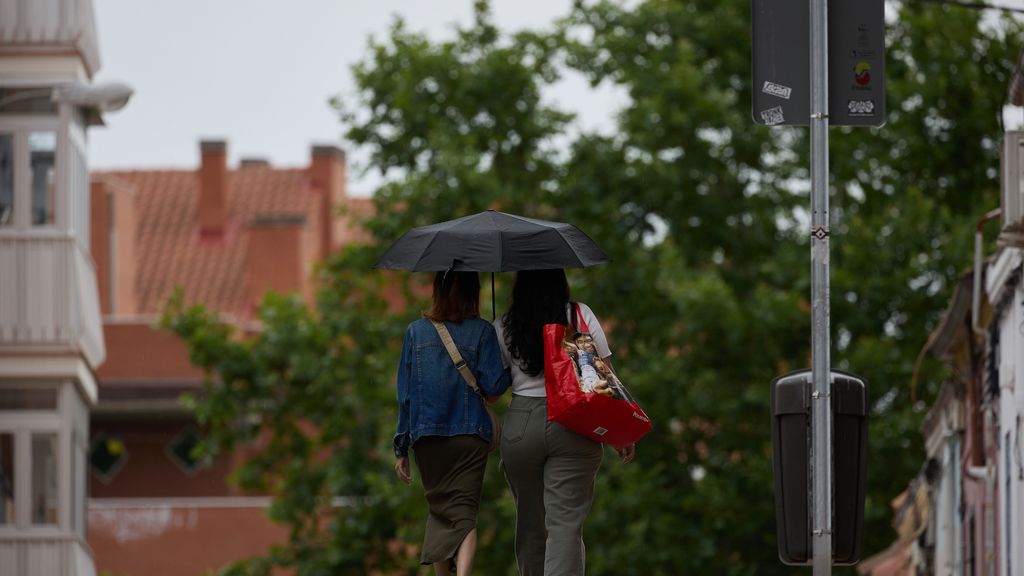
{"x":433,"y":398}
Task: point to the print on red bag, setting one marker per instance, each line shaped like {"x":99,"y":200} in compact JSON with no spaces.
{"x":593,"y":374}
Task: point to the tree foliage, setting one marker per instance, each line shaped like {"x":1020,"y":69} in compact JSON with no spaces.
{"x":704,"y":216}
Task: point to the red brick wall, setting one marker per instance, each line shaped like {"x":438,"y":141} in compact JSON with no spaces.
{"x":136,"y":350}
{"x":177,"y":540}
{"x":149,"y":471}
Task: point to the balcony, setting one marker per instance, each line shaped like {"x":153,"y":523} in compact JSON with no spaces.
{"x":48,"y":300}
{"x":44,"y":557}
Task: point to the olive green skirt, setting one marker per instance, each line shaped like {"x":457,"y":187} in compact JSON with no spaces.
{"x":452,"y":470}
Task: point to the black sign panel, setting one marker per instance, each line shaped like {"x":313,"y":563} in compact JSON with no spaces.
{"x":782,"y":62}
{"x":856,"y":62}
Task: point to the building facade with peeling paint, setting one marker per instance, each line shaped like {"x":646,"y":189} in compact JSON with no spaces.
{"x":963,"y":514}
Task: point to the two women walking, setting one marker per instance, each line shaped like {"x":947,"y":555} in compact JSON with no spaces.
{"x":551,"y":470}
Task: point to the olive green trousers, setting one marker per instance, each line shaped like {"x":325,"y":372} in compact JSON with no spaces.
{"x":551,"y":471}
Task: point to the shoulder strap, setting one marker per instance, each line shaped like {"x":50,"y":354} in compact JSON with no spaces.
{"x":453,"y":351}
{"x":578,"y":323}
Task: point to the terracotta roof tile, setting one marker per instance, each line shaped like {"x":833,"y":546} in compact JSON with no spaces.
{"x":169,"y":249}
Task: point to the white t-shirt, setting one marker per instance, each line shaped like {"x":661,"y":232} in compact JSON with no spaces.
{"x":525,"y":385}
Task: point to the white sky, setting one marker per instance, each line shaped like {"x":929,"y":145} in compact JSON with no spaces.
{"x":259,"y":73}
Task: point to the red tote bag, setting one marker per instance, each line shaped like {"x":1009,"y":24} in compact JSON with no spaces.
{"x":605,"y":412}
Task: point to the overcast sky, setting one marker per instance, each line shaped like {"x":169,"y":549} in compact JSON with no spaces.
{"x":258,"y":73}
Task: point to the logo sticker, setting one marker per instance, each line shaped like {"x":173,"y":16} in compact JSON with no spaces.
{"x":600,"y":431}
{"x":772,"y":116}
{"x":860,"y":107}
{"x":862,"y":73}
{"x":773,"y":89}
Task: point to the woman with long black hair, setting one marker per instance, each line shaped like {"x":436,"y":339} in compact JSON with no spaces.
{"x":443,"y":420}
{"x":550,"y":469}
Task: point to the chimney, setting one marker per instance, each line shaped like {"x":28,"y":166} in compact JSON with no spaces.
{"x":213,"y":187}
{"x":276,"y":258}
{"x":113,"y":227}
{"x":327,"y":172}
{"x":253,"y":162}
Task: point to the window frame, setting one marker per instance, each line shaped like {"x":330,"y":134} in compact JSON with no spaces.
{"x":105,"y":477}
{"x":22,"y":424}
{"x":20,"y":127}
{"x":172,"y":455}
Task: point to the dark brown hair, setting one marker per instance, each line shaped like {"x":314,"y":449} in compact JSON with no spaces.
{"x":456,"y":297}
{"x":538,"y":298}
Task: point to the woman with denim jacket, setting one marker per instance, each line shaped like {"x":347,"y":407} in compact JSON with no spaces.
{"x":444,"y":421}
{"x":550,"y":469}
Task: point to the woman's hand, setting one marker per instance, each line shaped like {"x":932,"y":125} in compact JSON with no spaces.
{"x":402,"y":470}
{"x":492,"y":400}
{"x":626,"y":453}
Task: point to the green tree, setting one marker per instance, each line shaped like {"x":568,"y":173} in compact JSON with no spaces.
{"x":703,"y":215}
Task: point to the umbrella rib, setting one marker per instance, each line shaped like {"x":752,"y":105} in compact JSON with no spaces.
{"x":571,"y":249}
{"x":501,"y":252}
{"x":545,"y":223}
{"x":433,"y":238}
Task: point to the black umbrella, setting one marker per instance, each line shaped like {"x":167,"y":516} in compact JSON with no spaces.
{"x":492,"y":241}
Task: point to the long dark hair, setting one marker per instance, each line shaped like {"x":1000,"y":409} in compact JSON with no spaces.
{"x":538,"y":298}
{"x":456,"y":297}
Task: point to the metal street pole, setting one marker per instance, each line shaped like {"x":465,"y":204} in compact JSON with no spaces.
{"x":821,"y":370}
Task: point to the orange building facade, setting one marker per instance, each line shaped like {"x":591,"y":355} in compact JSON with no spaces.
{"x":224,"y":236}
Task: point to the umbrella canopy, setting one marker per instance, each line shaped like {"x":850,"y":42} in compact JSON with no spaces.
{"x":492,"y":241}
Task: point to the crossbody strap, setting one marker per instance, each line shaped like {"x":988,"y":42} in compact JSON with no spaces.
{"x":453,"y":351}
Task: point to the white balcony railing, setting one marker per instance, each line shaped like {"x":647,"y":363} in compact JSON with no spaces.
{"x":48,"y":296}
{"x":45,"y":556}
{"x":49,"y":23}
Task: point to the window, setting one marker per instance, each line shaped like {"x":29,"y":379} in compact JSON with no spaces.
{"x":37,"y":398}
{"x":43,"y":152}
{"x":6,"y":179}
{"x":107,"y":457}
{"x":972,"y":567}
{"x":44,"y":478}
{"x":35,"y":459}
{"x":29,"y":144}
{"x":1008,"y":512}
{"x":6,"y":479}
{"x":31,"y":100}
{"x":181,"y":450}
{"x":79,"y":448}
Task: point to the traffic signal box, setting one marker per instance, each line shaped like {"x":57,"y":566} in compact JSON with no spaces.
{"x":791,"y":437}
